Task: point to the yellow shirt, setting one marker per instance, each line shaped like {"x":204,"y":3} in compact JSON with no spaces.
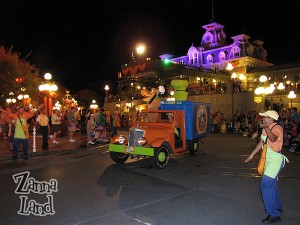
{"x":43,"y":120}
{"x":19,"y":133}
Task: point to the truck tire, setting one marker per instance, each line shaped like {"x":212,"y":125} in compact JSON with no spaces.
{"x":119,"y":157}
{"x":161,"y":157}
{"x":193,"y":147}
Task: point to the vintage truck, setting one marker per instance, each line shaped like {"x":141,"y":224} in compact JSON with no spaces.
{"x":154,"y":136}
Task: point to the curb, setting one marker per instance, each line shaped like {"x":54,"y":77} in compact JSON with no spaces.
{"x":81,"y":142}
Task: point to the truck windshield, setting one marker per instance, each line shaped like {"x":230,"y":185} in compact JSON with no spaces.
{"x":156,"y":117}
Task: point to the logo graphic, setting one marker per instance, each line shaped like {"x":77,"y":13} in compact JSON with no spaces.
{"x":201,"y":120}
{"x":27,"y":185}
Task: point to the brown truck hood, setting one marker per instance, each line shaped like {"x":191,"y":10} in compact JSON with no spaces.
{"x":153,"y":132}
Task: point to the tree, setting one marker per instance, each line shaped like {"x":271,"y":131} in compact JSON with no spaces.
{"x":85,"y":97}
{"x":17,"y":73}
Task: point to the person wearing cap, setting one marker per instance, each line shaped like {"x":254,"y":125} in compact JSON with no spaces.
{"x":20,"y":118}
{"x":275,"y":161}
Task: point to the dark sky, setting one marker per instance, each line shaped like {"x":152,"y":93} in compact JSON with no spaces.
{"x":84,"y":43}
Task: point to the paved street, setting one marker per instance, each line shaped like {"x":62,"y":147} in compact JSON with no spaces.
{"x":213,"y":188}
{"x":64,"y":145}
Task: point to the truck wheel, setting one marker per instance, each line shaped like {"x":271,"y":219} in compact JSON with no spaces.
{"x":193,"y":147}
{"x":119,"y":157}
{"x":161,"y":157}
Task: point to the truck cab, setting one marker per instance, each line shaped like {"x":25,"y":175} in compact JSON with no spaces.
{"x":173,"y":129}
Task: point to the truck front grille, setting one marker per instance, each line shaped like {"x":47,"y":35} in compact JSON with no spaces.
{"x":134,"y":136}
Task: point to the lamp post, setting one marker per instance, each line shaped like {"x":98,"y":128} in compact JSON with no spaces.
{"x":26,"y":99}
{"x":291,"y":96}
{"x":280,"y":87}
{"x":233,"y":88}
{"x":48,"y":89}
{"x":229,"y":67}
{"x":94,"y":106}
{"x":11,"y":99}
{"x":262,"y":90}
{"x":106,"y":88}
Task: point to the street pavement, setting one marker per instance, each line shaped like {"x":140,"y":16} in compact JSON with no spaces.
{"x":213,"y":188}
{"x":64,"y":145}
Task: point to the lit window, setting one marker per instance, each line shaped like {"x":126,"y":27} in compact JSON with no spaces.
{"x":235,"y":51}
{"x":222,"y":56}
{"x":195,"y":57}
{"x":209,"y":58}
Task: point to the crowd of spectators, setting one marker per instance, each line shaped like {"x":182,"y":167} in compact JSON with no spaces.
{"x":205,"y":88}
{"x":64,"y":123}
{"x":248,"y":125}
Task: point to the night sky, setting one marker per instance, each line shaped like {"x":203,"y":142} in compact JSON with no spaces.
{"x":84,"y":43}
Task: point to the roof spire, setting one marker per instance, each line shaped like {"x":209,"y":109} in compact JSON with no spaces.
{"x":132,"y":58}
{"x":212,"y":11}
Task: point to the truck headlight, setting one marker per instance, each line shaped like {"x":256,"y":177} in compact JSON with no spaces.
{"x":142,"y":141}
{"x":122,"y":139}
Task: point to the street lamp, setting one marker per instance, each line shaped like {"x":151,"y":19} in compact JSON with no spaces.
{"x":25,"y":98}
{"x":106,"y":98}
{"x":106,"y":89}
{"x":229,"y":67}
{"x":291,"y":96}
{"x":280,"y":87}
{"x":233,"y":75}
{"x":11,"y":99}
{"x":94,"y":106}
{"x":263,"y":78}
{"x":49,"y":90}
{"x":140,"y":49}
{"x":263,"y":89}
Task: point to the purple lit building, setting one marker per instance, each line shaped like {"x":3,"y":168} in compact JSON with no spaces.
{"x":222,"y":72}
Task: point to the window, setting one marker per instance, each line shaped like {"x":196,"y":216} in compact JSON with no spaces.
{"x":236,"y":51}
{"x":222,"y":56}
{"x":209,"y":58}
{"x":195,"y":57}
{"x":191,"y":59}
